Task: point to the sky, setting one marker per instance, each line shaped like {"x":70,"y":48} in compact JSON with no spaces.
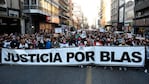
{"x":90,"y":8}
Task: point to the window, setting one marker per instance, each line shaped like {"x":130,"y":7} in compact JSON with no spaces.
{"x":26,"y":2}
{"x":34,"y":2}
{"x":121,"y":2}
{"x":2,"y":2}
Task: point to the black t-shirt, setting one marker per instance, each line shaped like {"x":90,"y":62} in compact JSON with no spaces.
{"x":14,"y":44}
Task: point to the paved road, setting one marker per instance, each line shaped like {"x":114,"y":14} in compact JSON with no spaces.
{"x":69,"y":75}
{"x":101,"y":76}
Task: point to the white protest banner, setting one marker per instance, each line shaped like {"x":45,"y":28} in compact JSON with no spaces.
{"x":58,"y":56}
{"x":147,"y":52}
{"x":104,"y":56}
{"x":120,"y":56}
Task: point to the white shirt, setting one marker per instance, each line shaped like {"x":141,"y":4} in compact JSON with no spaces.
{"x":22,"y":46}
{"x":64,"y":45}
{"x":6,"y":44}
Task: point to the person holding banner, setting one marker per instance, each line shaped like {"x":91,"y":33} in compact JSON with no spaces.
{"x":14,"y":43}
{"x":23,"y":44}
{"x":55,"y":43}
{"x":64,"y":43}
{"x":98,"y":42}
{"x":1,"y":45}
{"x":41,"y":44}
{"x":48,"y":43}
{"x":123,"y":43}
{"x":147,"y":57}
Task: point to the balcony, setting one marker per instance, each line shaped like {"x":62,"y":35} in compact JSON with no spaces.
{"x":3,"y":11}
{"x":142,"y":15}
{"x":64,"y":6}
{"x":64,"y":15}
{"x":36,"y":9}
{"x":65,"y":2}
{"x":141,"y":5}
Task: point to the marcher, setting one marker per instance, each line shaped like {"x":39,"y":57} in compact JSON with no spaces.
{"x":48,"y":43}
{"x":43,"y":40}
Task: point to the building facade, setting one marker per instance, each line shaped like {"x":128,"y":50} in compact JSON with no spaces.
{"x":70,"y":13}
{"x":129,"y":16}
{"x":11,"y":16}
{"x":114,"y":13}
{"x":42,"y":15}
{"x":141,"y":20}
{"x":64,"y":12}
{"x":121,"y":16}
{"x":105,"y":13}
{"x":77,"y":16}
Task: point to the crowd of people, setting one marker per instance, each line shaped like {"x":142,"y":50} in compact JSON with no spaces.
{"x":70,"y":39}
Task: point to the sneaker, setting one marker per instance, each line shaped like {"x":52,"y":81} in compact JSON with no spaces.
{"x":111,"y":68}
{"x":120,"y":68}
{"x":145,"y":70}
{"x":125,"y":69}
{"x":105,"y":67}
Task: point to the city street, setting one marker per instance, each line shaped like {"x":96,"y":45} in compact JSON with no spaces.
{"x":14,"y":74}
{"x":74,"y":41}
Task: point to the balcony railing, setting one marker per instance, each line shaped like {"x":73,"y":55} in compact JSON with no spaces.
{"x":64,"y":6}
{"x":141,"y":5}
{"x":39,"y":8}
{"x":143,"y":15}
{"x":64,"y":1}
{"x":64,"y":15}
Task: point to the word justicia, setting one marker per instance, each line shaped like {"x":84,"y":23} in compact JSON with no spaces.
{"x":88,"y":56}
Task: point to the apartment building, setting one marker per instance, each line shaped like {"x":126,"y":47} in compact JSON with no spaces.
{"x":105,"y":13}
{"x":64,"y":12}
{"x":129,"y":16}
{"x":43,"y":15}
{"x":11,"y":16}
{"x":114,"y":13}
{"x":141,"y":20}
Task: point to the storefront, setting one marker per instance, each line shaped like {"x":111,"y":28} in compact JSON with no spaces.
{"x":9,"y":25}
{"x":128,"y":27}
{"x":10,"y":21}
{"x":44,"y":23}
{"x":141,"y":26}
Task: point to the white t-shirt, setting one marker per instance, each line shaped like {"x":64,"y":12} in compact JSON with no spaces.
{"x":64,"y":45}
{"x":6,"y":44}
{"x":22,"y":46}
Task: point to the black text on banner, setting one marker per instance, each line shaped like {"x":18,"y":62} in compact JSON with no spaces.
{"x":104,"y":56}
